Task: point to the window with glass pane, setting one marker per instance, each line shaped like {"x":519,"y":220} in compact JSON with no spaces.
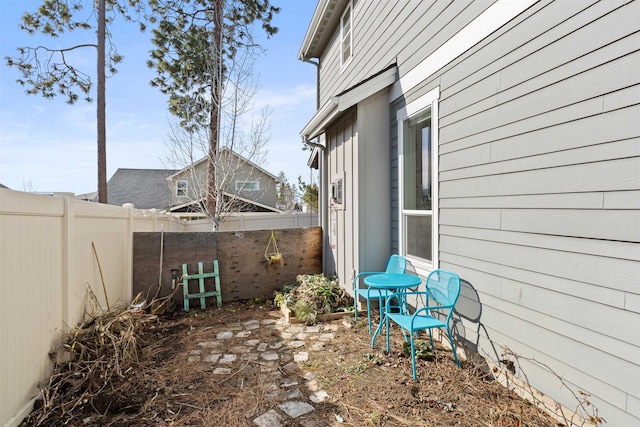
{"x":346,"y":35}
{"x":247,"y":185}
{"x":417,"y":165}
{"x":181,"y":188}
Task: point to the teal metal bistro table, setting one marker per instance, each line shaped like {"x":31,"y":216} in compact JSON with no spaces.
{"x":389,"y":283}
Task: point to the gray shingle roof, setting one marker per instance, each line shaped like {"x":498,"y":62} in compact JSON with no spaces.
{"x":145,"y":188}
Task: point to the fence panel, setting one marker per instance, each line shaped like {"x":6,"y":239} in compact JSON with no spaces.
{"x":47,"y":258}
{"x":31,"y":293}
{"x":256,"y":221}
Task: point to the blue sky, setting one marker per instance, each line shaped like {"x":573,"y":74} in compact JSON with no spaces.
{"x":47,"y":145}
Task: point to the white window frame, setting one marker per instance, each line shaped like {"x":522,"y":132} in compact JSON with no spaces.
{"x":426,"y":102}
{"x":242,"y":185}
{"x":180,"y":189}
{"x":349,"y":10}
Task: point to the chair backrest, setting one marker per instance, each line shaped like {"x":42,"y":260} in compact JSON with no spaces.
{"x":396,"y":265}
{"x":443,"y":287}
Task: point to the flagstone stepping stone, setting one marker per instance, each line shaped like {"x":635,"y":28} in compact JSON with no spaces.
{"x":269,"y":419}
{"x":327,"y":337}
{"x":318,"y":396}
{"x":270,"y":355}
{"x":303,"y":356}
{"x":212,"y":358}
{"x":224,"y":335}
{"x":294,"y":393}
{"x":295,"y":409}
{"x":291,"y":367}
{"x":228,"y":358}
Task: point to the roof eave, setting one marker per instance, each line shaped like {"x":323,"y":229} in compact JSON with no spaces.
{"x":323,"y":22}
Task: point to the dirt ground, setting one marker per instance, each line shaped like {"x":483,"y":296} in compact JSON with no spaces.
{"x":365,"y":386}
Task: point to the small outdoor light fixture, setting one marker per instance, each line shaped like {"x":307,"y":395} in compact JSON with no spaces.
{"x":174,"y":277}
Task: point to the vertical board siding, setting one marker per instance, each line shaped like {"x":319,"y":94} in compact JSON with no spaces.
{"x":341,"y":143}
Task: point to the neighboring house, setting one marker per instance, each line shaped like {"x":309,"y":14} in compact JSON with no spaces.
{"x":145,"y":188}
{"x":251,"y":186}
{"x":4,"y":186}
{"x":499,"y":139}
{"x":88,"y":197}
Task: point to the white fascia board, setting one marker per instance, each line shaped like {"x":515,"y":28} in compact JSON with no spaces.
{"x":497,"y":15}
{"x":337,"y":104}
{"x":312,"y":31}
{"x":367,"y":89}
{"x":320,"y":119}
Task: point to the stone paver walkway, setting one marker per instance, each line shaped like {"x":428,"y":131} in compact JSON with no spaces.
{"x":281,"y":358}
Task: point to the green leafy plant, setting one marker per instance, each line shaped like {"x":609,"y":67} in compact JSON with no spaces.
{"x":313,"y":295}
{"x":422,"y":349}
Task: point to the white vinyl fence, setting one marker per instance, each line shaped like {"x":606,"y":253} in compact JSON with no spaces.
{"x":257,"y":221}
{"x":47,"y":263}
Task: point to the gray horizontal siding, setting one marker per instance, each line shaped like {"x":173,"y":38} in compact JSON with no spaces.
{"x":384,"y":32}
{"x":540,"y":195}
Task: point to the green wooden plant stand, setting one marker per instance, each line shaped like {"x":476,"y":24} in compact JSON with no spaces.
{"x":200,"y":278}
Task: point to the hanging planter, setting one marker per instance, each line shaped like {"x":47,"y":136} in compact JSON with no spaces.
{"x":272,"y":254}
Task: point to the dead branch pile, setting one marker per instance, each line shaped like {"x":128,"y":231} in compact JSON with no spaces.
{"x":90,"y":358}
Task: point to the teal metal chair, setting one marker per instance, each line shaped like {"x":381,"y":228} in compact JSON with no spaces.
{"x":395,"y":265}
{"x":442,"y":289}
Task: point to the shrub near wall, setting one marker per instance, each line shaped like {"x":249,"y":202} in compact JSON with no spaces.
{"x":244,"y":271}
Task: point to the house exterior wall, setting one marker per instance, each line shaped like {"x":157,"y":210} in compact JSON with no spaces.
{"x":539,"y":145}
{"x":385,"y":32}
{"x":357,"y":147}
{"x":539,"y":190}
{"x":372,"y":193}
{"x":341,"y":140}
{"x":231,"y":169}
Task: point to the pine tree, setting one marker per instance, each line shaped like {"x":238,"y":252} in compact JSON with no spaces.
{"x":47,"y":72}
{"x":195,"y":41}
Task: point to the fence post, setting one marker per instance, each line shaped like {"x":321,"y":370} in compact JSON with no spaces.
{"x":67,"y":269}
{"x":129,"y":252}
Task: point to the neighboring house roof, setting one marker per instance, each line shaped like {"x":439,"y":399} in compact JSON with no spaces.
{"x":4,"y":186}
{"x":225,"y":149}
{"x":91,"y":197}
{"x":145,"y":188}
{"x":258,"y":207}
